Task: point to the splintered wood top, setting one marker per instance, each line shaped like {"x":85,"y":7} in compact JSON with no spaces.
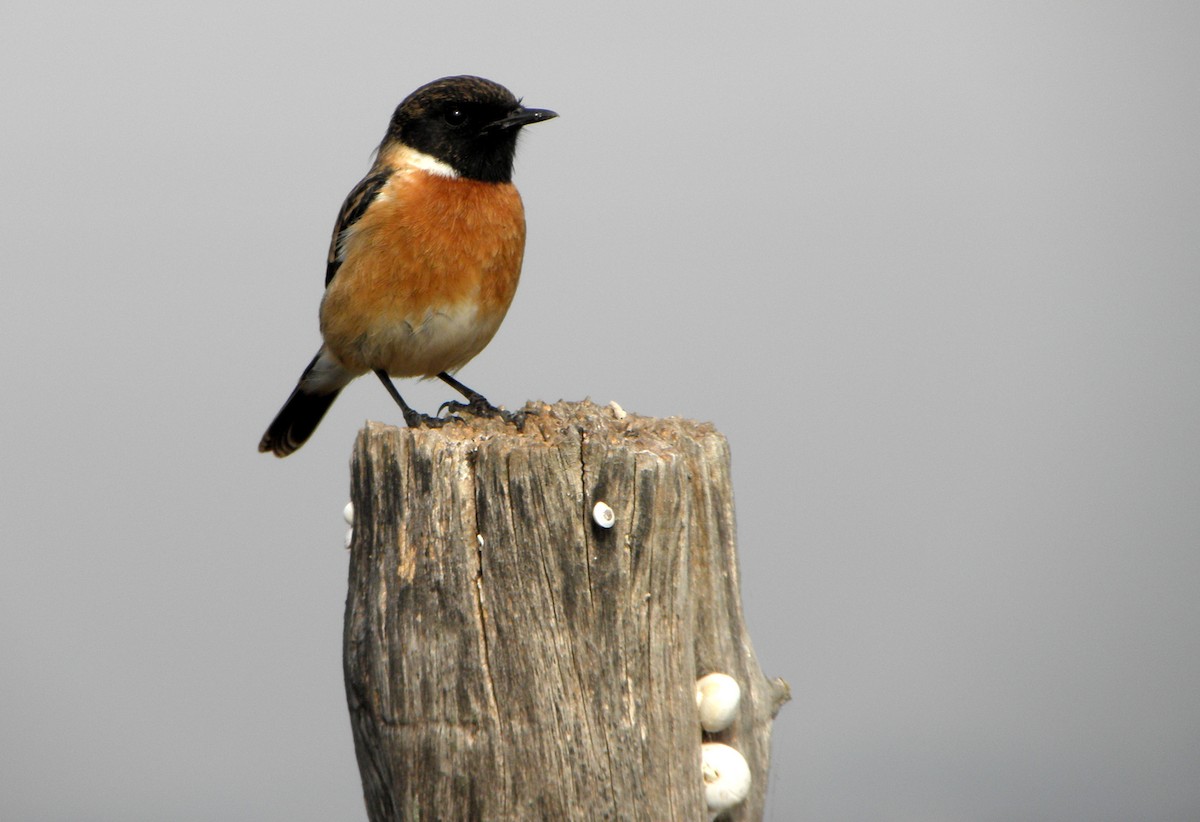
{"x":555,"y":423}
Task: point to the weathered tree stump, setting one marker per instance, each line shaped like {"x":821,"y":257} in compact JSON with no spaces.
{"x":507,"y":658}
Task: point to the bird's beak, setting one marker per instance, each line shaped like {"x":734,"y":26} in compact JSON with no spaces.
{"x":521,"y":117}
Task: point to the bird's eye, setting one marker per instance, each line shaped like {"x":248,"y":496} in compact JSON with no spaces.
{"x":455,"y":116}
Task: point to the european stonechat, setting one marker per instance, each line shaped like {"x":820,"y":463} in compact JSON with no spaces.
{"x":425,"y":255}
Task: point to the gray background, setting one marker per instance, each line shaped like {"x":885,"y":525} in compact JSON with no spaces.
{"x":932,"y":267}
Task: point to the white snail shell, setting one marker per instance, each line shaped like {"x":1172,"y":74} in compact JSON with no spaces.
{"x":726,"y":776}
{"x":348,"y":515}
{"x":717,"y":697}
{"x":604,"y":515}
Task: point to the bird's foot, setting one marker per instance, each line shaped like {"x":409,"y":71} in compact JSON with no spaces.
{"x":418,"y":420}
{"x":479,"y":407}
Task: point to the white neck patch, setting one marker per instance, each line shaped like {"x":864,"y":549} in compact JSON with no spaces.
{"x":425,"y":162}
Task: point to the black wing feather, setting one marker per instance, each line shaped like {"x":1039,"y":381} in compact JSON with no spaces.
{"x":356,"y":205}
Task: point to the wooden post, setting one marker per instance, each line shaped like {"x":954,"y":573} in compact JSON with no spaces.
{"x":507,"y":658}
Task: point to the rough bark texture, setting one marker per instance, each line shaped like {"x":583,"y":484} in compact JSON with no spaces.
{"x":508,"y":659}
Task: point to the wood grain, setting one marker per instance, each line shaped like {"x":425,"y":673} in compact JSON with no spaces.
{"x":508,"y":659}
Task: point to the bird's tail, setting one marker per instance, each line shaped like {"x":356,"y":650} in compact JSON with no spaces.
{"x":318,"y":387}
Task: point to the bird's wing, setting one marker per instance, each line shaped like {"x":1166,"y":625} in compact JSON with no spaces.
{"x":357,"y":202}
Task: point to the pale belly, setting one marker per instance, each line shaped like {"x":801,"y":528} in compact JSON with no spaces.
{"x":440,"y":340}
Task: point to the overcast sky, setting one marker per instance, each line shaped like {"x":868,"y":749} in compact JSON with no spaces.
{"x":932,"y":267}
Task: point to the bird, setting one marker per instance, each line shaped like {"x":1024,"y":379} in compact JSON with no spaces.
{"x":425,"y":255}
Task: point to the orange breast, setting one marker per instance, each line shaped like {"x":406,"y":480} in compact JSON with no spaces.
{"x":428,"y":274}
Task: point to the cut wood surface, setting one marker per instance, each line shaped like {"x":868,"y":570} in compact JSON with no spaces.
{"x":507,"y":658}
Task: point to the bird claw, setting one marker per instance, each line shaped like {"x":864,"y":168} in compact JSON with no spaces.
{"x":476,"y":408}
{"x":515,"y":418}
{"x":482,"y":408}
{"x":454,"y":406}
{"x":419,"y":420}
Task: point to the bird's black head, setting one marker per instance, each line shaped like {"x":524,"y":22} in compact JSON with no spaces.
{"x":468,"y":123}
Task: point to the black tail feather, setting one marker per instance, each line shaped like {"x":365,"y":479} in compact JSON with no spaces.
{"x":296,"y":422}
{"x":299,"y":417}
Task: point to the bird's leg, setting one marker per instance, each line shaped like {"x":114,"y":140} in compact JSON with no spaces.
{"x":478,"y":405}
{"x":414,"y":419}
